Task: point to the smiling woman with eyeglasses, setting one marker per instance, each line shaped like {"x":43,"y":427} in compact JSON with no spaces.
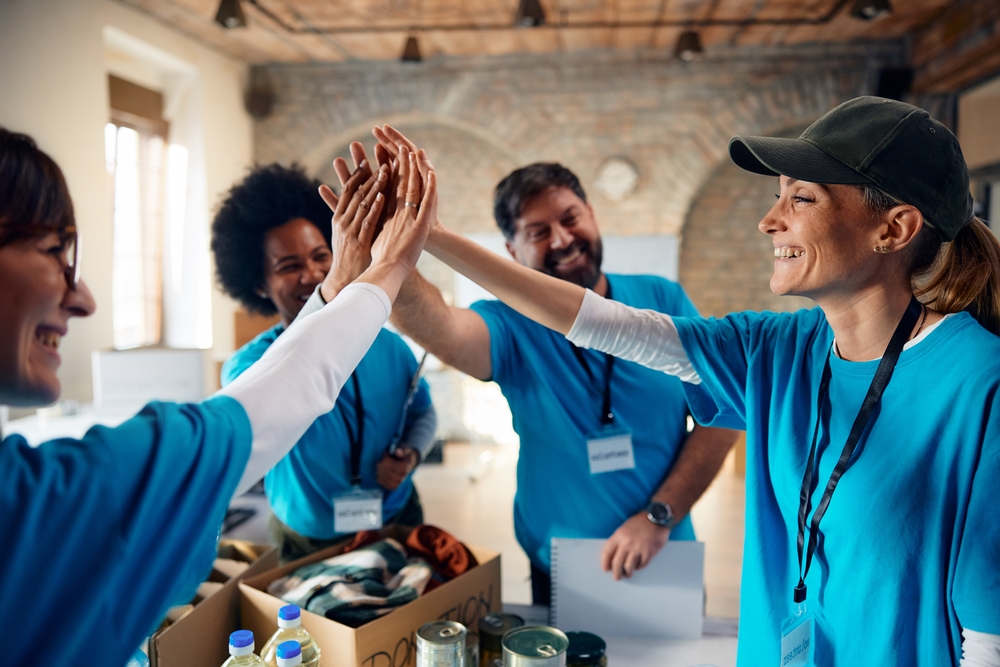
{"x":101,"y":535}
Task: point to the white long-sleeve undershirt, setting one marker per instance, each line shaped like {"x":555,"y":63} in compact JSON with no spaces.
{"x":643,"y":336}
{"x":301,"y":374}
{"x":648,"y":337}
{"x":651,"y":339}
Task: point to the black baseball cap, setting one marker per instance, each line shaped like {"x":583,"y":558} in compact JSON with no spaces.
{"x":895,"y":147}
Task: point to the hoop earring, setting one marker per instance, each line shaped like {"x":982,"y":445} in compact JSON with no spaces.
{"x":882,"y":249}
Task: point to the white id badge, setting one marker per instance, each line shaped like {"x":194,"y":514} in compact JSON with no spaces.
{"x":798,"y":635}
{"x":609,"y":451}
{"x":358,"y":510}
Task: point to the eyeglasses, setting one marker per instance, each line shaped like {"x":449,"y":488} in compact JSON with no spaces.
{"x":69,"y":248}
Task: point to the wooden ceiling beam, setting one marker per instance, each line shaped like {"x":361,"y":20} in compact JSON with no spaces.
{"x":959,"y":49}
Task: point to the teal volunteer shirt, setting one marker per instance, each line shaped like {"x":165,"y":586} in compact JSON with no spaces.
{"x":556,"y":407}
{"x":909,"y":549}
{"x":302,"y":486}
{"x":102,"y":535}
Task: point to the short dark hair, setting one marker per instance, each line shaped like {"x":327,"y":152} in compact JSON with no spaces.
{"x":523,"y":184}
{"x":34,"y":199}
{"x":268,"y":197}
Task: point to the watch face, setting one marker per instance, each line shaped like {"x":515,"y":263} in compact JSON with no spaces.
{"x":659,"y":512}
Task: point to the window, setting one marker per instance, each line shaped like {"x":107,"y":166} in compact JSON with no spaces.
{"x":148,"y":185}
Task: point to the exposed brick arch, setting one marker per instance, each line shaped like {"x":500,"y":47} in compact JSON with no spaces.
{"x":726,"y":262}
{"x":672,"y":120}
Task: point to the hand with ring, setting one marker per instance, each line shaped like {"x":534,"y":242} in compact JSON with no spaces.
{"x":356,"y":215}
{"x":393,"y":141}
{"x":401,"y":240}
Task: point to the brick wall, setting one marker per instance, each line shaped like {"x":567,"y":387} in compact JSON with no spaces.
{"x":726,"y":262}
{"x":481,"y":117}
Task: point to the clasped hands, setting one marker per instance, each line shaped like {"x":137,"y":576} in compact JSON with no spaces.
{"x":382,"y":215}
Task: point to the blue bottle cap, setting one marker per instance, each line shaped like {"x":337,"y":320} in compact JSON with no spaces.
{"x":241,"y":639}
{"x":289,"y":612}
{"x":289,"y":649}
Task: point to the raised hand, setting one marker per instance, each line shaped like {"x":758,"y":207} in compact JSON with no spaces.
{"x":400,"y":242}
{"x":355,"y":223}
{"x":392,"y":141}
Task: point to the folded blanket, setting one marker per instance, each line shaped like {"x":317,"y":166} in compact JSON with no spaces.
{"x":354,"y":588}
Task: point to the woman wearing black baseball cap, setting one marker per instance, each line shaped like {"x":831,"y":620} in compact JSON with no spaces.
{"x":873,"y":421}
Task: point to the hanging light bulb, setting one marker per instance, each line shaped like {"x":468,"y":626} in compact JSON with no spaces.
{"x":230,"y":15}
{"x":689,"y":46}
{"x":529,"y":14}
{"x":868,"y":10}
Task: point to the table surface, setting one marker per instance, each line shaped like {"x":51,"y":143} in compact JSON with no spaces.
{"x":716,"y":648}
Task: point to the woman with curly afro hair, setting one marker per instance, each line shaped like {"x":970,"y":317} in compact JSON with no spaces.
{"x":271,"y":240}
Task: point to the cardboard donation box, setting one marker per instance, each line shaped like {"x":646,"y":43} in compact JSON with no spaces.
{"x":387,"y":641}
{"x":200,"y":638}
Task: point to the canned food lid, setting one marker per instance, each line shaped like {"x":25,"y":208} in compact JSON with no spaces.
{"x":498,"y":624}
{"x":493,"y":627}
{"x":536,"y":642}
{"x":585,"y":648}
{"x":442,"y":632}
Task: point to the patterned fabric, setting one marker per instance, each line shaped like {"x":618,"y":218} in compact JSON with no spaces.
{"x":354,"y":588}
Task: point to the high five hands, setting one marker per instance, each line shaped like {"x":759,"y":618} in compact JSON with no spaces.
{"x":381,"y":219}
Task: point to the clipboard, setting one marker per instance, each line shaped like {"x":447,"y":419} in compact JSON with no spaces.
{"x":664,"y":600}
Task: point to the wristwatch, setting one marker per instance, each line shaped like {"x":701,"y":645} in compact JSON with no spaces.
{"x":660,"y":514}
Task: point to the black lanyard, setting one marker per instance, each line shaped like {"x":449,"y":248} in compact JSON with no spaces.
{"x":357,"y":438}
{"x":607,"y":415}
{"x":875,"y":390}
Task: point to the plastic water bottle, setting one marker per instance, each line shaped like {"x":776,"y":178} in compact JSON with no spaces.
{"x":138,"y":659}
{"x":290,"y":628}
{"x":241,"y":651}
{"x":289,"y":654}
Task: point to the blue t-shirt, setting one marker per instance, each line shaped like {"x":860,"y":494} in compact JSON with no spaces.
{"x":101,"y":535}
{"x":909,"y":549}
{"x":301,"y":488}
{"x":556,"y":407}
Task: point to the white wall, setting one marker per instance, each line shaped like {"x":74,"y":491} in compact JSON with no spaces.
{"x":53,"y":86}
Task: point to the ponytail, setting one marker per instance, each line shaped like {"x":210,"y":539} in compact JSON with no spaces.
{"x":965,"y":276}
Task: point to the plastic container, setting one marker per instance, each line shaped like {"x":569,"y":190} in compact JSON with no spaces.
{"x":241,"y":651}
{"x":138,"y":659}
{"x":288,"y":654}
{"x":290,"y":629}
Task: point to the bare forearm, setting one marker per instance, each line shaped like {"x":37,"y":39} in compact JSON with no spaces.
{"x":457,"y":337}
{"x":697,"y":465}
{"x":547,"y":300}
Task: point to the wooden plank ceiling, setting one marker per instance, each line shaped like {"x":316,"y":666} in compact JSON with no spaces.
{"x":296,"y":31}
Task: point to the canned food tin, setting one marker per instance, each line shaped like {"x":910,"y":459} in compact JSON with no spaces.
{"x":441,"y":644}
{"x":538,"y":646}
{"x":492,"y":628}
{"x":585,"y":649}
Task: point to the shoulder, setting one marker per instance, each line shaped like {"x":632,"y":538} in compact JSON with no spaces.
{"x":648,"y":291}
{"x":964,"y":341}
{"x":243,"y":358}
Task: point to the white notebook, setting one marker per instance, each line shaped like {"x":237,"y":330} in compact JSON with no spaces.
{"x":664,"y":600}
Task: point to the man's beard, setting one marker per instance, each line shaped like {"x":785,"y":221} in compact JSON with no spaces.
{"x":584,"y":276}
